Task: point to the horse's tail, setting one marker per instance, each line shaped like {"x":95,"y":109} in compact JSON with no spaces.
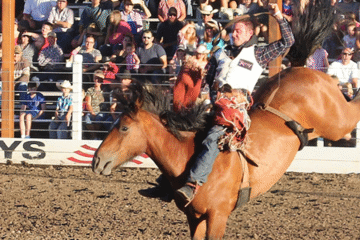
{"x":311,"y":25}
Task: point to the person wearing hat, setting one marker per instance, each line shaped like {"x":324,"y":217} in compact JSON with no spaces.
{"x":50,"y":61}
{"x":50,"y":57}
{"x":345,"y":69}
{"x":211,"y":31}
{"x":33,"y":107}
{"x":166,"y":5}
{"x":168,"y":31}
{"x":21,"y":72}
{"x":58,"y":128}
{"x":207,"y":14}
{"x":232,"y":78}
{"x":177,"y":61}
{"x":94,"y":99}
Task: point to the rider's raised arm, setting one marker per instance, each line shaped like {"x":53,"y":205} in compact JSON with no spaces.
{"x":266,"y":54}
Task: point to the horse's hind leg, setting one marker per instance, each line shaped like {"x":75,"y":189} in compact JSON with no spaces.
{"x":216,"y":224}
{"x":197,"y":227}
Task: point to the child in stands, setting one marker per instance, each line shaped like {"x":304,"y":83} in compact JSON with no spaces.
{"x":33,"y":107}
{"x":64,"y":108}
{"x":132,"y":60}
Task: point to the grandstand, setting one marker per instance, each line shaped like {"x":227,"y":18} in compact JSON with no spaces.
{"x":79,"y":136}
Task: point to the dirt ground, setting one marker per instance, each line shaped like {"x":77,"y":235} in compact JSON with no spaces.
{"x":74,"y":203}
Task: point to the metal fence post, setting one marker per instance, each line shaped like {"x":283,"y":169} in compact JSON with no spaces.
{"x":77,"y":97}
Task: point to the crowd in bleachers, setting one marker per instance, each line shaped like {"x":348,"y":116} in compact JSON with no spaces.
{"x":144,"y":40}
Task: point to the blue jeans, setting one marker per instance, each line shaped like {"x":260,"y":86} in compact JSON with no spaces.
{"x":200,"y":171}
{"x":21,"y":88}
{"x":58,"y":129}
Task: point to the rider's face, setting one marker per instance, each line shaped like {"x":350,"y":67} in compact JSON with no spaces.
{"x":241,"y":33}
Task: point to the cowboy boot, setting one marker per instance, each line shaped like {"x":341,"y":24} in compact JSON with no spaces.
{"x":187,"y":192}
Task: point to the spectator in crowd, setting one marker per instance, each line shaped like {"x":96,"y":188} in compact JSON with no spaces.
{"x":318,"y":60}
{"x":58,"y":128}
{"x":345,"y":6}
{"x":152,"y":57}
{"x":21,"y":72}
{"x":211,"y":30}
{"x":110,"y":81}
{"x":165,"y":5}
{"x":187,"y":86}
{"x":120,"y":54}
{"x":94,"y":99}
{"x":40,"y":40}
{"x":350,"y":38}
{"x":132,"y":60}
{"x":287,"y":11}
{"x":91,"y":30}
{"x":201,"y":56}
{"x":123,"y":88}
{"x":262,"y":21}
{"x":17,"y":33}
{"x":350,"y":17}
{"x":168,"y":31}
{"x":207,"y":15}
{"x":356,"y":57}
{"x":115,"y":33}
{"x":36,"y":12}
{"x":91,"y":57}
{"x":333,"y":41}
{"x":248,"y":7}
{"x":32,"y":107}
{"x":187,"y":37}
{"x":30,"y":52}
{"x":177,"y":62}
{"x":135,"y":17}
{"x":96,"y":13}
{"x":345,"y":69}
{"x":50,"y":60}
{"x":62,"y":19}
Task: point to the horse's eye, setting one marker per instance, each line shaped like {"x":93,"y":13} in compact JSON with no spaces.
{"x":124,"y":128}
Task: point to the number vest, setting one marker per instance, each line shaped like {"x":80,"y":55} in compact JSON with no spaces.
{"x":241,"y":72}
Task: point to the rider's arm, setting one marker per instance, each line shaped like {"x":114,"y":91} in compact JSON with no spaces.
{"x":266,"y":54}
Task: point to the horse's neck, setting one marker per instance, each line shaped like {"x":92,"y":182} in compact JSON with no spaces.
{"x":170,"y":154}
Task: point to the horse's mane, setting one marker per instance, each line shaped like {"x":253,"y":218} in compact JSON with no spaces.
{"x":157,"y":100}
{"x":310,"y":28}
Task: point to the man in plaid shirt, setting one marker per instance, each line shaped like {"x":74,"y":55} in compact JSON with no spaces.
{"x":233,"y":72}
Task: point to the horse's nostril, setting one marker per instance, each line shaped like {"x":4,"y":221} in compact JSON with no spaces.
{"x":95,"y":163}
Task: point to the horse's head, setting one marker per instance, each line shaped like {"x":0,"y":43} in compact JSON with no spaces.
{"x":126,"y":139}
{"x":146,"y":123}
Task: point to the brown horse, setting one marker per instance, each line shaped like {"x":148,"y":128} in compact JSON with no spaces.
{"x":309,"y":97}
{"x":312,"y":98}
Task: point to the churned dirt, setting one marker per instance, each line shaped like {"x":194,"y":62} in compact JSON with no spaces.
{"x":74,"y":203}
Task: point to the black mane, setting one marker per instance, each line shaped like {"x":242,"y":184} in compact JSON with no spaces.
{"x":310,"y":28}
{"x":157,"y":100}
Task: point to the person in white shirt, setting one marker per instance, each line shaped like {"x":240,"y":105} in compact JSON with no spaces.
{"x":345,"y":69}
{"x":36,"y":12}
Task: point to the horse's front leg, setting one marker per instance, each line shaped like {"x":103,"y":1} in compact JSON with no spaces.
{"x":216,"y":224}
{"x":197,"y":227}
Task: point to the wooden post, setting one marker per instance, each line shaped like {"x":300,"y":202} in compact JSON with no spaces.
{"x":274,"y":35}
{"x":7,"y":76}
